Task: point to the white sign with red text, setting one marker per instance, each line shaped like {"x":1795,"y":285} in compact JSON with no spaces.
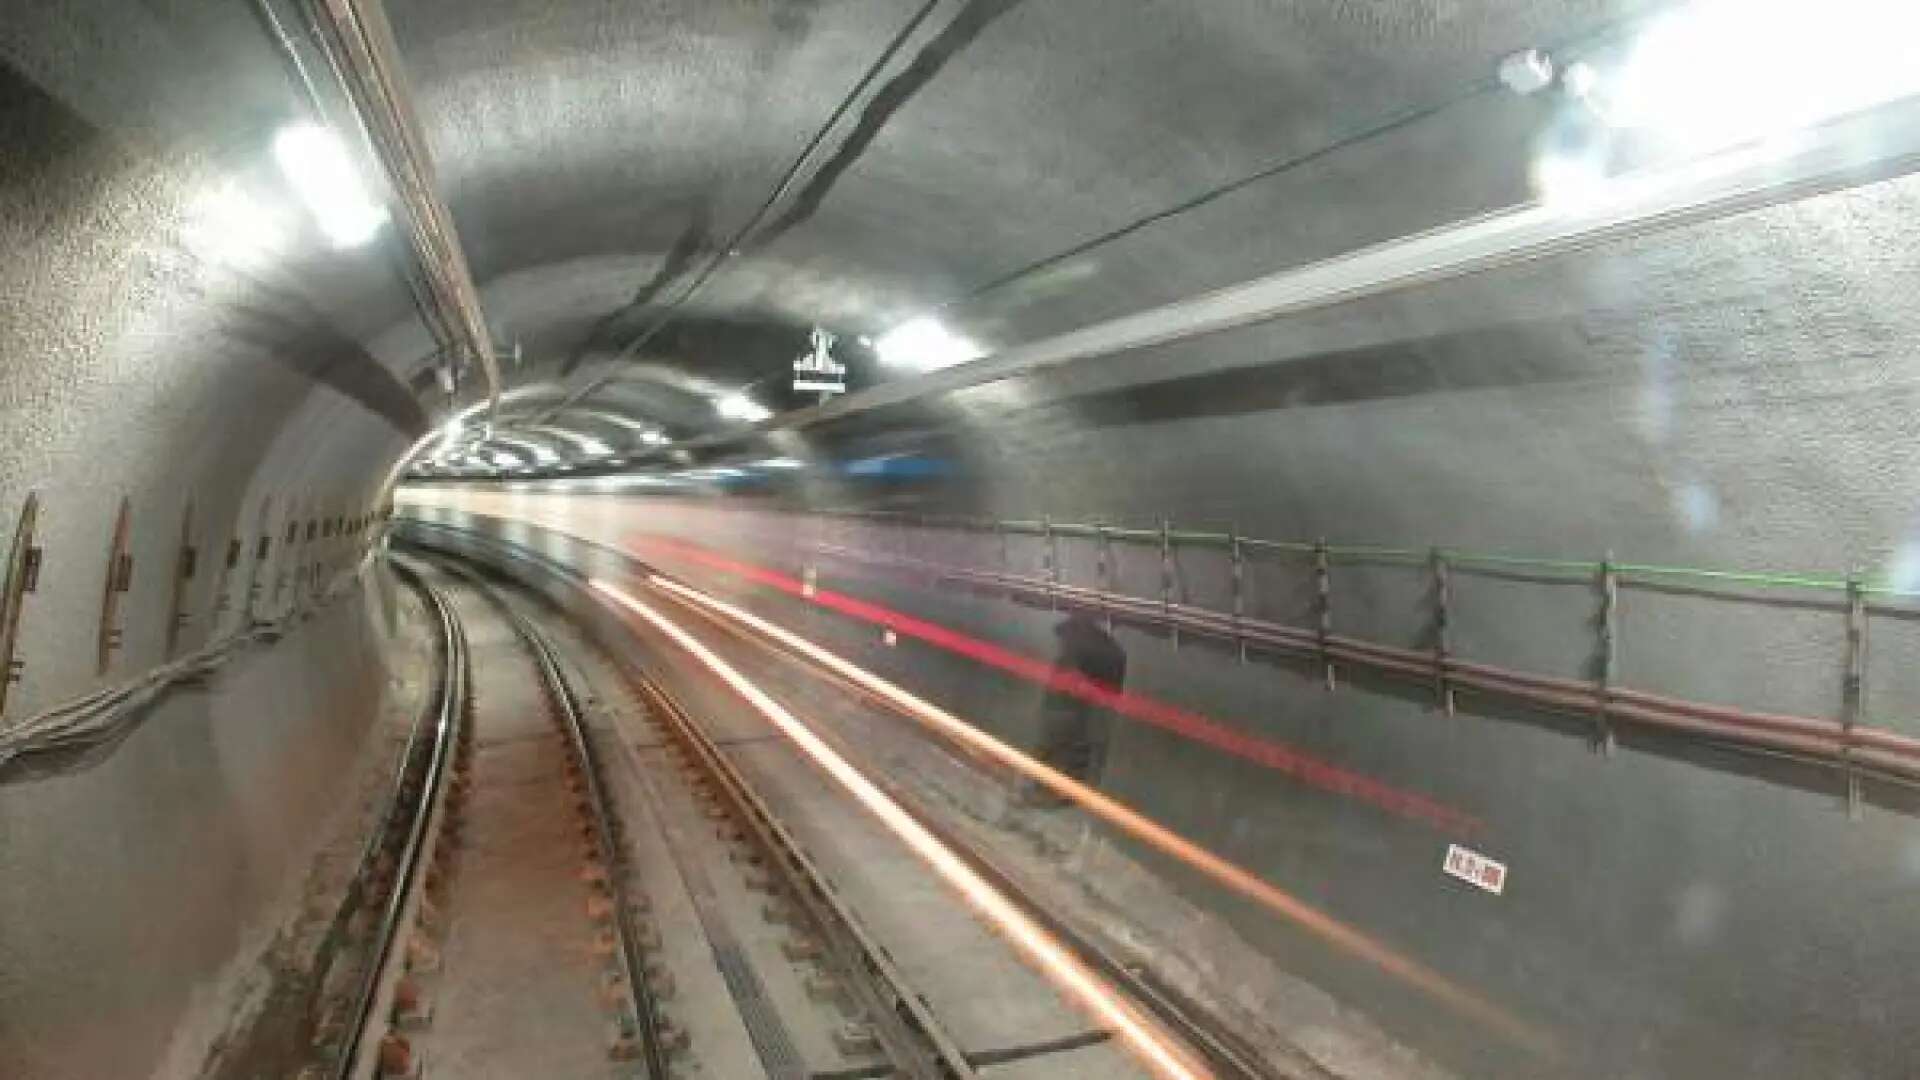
{"x":1475,"y":869}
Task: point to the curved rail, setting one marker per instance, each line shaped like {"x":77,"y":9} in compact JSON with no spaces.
{"x":904,"y":1025}
{"x":367,"y":1025}
{"x":645,"y":1015}
{"x":900,"y":1007}
{"x":911,"y":1036}
{"x":1225,"y":1053}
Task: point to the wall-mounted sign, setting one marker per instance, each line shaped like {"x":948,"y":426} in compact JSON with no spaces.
{"x":817,"y":371}
{"x":1475,"y":869}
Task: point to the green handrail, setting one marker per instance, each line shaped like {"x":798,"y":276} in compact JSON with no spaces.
{"x":1464,"y":560}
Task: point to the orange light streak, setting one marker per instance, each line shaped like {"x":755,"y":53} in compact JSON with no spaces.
{"x":1166,"y":1057}
{"x":1136,"y":824}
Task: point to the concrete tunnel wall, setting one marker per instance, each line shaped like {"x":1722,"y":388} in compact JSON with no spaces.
{"x":1674,"y":910}
{"x":141,"y":886}
{"x":1737,"y":394}
{"x":1644,"y":884}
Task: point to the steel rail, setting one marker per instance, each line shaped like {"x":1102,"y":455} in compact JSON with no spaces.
{"x":359,"y":45}
{"x":911,"y":1036}
{"x":369,"y":1018}
{"x":646,"y":1012}
{"x":393,"y":816}
{"x":1222,"y":1051}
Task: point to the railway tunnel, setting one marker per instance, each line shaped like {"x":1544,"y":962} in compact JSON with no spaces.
{"x":1024,"y":538}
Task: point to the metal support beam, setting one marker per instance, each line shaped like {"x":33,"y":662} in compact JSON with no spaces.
{"x":1847,"y":152}
{"x":1166,"y":575}
{"x":359,"y":45}
{"x":1105,"y":567}
{"x":1239,"y":560}
{"x":1051,"y":553}
{"x":1854,"y":699}
{"x":1323,"y":608}
{"x":1607,"y":664}
{"x":1442,"y":630}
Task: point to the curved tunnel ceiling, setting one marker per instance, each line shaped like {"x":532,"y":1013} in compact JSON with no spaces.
{"x":598,"y":166}
{"x":1022,"y":167}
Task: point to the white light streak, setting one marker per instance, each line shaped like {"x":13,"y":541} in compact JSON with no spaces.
{"x":1166,"y":1058}
{"x":317,"y":166}
{"x":1571,"y":181}
{"x":740,"y":407}
{"x":1123,"y":817}
{"x":228,"y":226}
{"x":1720,"y":72}
{"x":923,"y":344}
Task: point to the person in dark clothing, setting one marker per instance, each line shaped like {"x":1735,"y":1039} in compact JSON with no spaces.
{"x":1075,"y":732}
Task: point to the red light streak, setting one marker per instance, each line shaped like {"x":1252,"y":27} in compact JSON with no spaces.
{"x":1247,"y":884}
{"x":1312,"y":771}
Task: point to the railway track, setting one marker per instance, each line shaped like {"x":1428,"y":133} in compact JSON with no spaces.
{"x":606,"y":866}
{"x":365,"y":977}
{"x":498,"y":938}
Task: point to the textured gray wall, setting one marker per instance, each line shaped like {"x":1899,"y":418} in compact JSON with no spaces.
{"x":1736,"y":395}
{"x":139,"y":361}
{"x":1671,"y":911}
{"x":137,"y":894}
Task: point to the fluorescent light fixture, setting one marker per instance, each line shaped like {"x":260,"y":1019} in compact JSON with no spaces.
{"x":654,"y":438}
{"x":739,"y":406}
{"x":594,"y":446}
{"x":1580,"y":80}
{"x":781,"y":463}
{"x":1719,"y":72}
{"x":1528,"y":71}
{"x":503,"y":460}
{"x":923,"y":344}
{"x":317,"y":166}
{"x":1570,"y":180}
{"x":228,"y":226}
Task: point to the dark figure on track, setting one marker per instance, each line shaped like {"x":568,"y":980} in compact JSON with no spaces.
{"x":1074,"y":732}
